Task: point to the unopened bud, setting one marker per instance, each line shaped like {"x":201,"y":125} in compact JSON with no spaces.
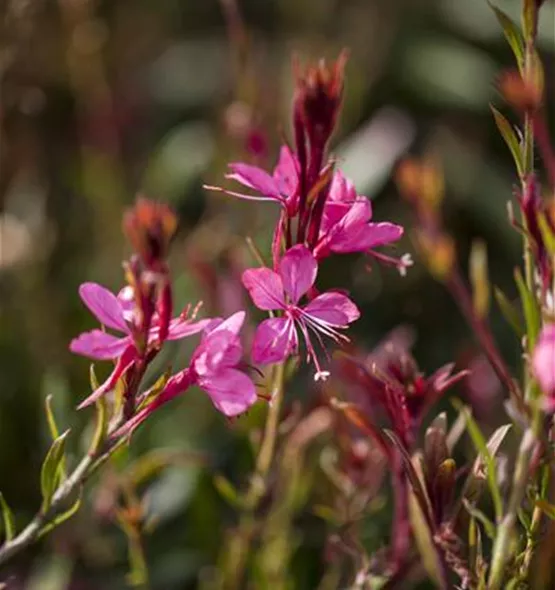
{"x":524,"y":94}
{"x":318,"y":98}
{"x":149,"y":227}
{"x":439,"y":253}
{"x":421,"y":182}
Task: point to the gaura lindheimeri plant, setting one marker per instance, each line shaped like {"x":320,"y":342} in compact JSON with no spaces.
{"x":374,"y":416}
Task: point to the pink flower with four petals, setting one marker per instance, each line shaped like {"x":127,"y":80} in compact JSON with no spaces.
{"x":277,"y":338}
{"x":214,"y":369}
{"x":117,"y":313}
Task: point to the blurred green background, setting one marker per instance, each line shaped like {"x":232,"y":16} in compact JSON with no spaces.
{"x":102,"y":100}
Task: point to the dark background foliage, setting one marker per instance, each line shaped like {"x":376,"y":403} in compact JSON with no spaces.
{"x":101,"y":100}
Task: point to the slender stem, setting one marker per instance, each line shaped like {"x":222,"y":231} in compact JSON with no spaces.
{"x":84,"y":469}
{"x":485,"y":338}
{"x":239,"y":543}
{"x":501,"y":547}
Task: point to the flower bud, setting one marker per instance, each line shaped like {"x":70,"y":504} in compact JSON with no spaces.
{"x":524,"y":94}
{"x":318,"y":99}
{"x":421,"y":182}
{"x":149,"y":227}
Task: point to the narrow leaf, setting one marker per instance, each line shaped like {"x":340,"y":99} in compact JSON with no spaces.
{"x":548,"y":235}
{"x":547,"y":508}
{"x":93,"y":378}
{"x":509,"y":135}
{"x":101,"y":426}
{"x":529,"y":11}
{"x":49,"y":476}
{"x":416,"y":482}
{"x":509,"y":311}
{"x":54,"y":432}
{"x":512,"y":34}
{"x":8,"y":519}
{"x":482,"y":448}
{"x":530,"y":308}
{"x":479,"y":278}
{"x":227,"y":490}
{"x":424,"y":539}
{"x":63,"y":516}
{"x":489,"y":527}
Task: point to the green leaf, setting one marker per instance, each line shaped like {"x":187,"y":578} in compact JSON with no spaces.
{"x":485,"y":454}
{"x":531,"y":310}
{"x":547,"y":508}
{"x":548,"y":235}
{"x":54,"y":432}
{"x":479,"y":277}
{"x":512,"y":34}
{"x":63,"y":516}
{"x":8,"y":519}
{"x":424,"y":540}
{"x":509,"y":311}
{"x":529,"y":19}
{"x":489,"y":527}
{"x":93,"y":378}
{"x":416,"y":481}
{"x":509,"y":135}
{"x":101,"y":426}
{"x":50,"y":471}
{"x":227,"y":490}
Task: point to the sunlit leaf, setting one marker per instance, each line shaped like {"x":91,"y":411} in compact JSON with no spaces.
{"x":50,"y":471}
{"x":489,"y":527}
{"x":54,"y":432}
{"x":509,"y":311}
{"x":530,"y":308}
{"x":512,"y":34}
{"x":485,"y":455}
{"x":509,"y":135}
{"x":63,"y":516}
{"x":7,"y":518}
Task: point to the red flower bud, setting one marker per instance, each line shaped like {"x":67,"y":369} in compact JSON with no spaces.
{"x":149,"y":227}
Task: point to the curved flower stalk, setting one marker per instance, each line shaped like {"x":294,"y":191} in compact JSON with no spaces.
{"x":277,"y":338}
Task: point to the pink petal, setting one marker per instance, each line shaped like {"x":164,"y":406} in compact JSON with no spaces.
{"x":298,"y":269}
{"x":181,"y":328}
{"x":97,"y":344}
{"x":333,"y":308}
{"x":341,"y":188}
{"x":218,"y":349}
{"x":286,"y":174}
{"x":125,"y":361}
{"x":274,"y":341}
{"x":265,"y":288}
{"x":231,"y":391}
{"x":232,"y":324}
{"x":543,"y":360}
{"x":104,"y":305}
{"x":254,"y":178}
{"x":367,"y":236}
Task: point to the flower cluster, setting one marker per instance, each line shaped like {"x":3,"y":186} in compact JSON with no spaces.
{"x":321,"y":214}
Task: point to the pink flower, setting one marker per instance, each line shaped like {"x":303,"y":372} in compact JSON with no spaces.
{"x":346,"y":225}
{"x":214,"y":369}
{"x":281,"y":186}
{"x":543,"y":362}
{"x":118,"y":314}
{"x":276,"y":338}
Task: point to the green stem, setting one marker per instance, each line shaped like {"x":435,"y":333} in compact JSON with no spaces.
{"x":239,"y":543}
